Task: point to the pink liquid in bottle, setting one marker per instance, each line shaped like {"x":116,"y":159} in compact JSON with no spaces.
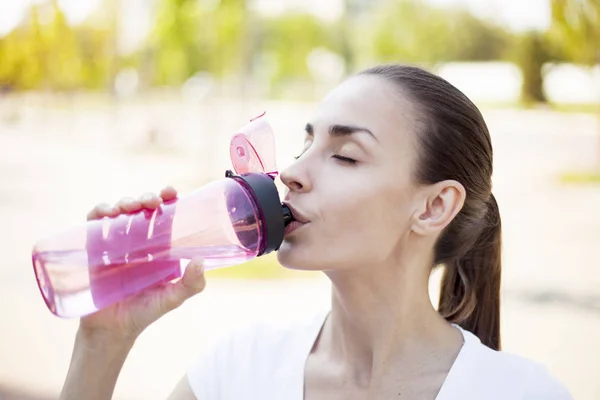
{"x":104,"y":261}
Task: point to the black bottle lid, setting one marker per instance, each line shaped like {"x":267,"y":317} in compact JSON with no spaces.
{"x":275,"y":215}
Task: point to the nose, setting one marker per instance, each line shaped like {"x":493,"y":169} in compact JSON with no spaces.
{"x":295,"y":177}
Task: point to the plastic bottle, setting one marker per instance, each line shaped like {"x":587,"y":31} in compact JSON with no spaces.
{"x":227,"y":222}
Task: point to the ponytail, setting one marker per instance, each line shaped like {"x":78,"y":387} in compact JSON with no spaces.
{"x":470,"y":289}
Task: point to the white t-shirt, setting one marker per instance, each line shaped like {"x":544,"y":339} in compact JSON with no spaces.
{"x":266,"y":362}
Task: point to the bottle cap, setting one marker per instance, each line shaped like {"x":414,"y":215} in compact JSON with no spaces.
{"x":252,"y":148}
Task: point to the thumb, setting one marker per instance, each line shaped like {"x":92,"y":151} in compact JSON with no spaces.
{"x":190,"y":284}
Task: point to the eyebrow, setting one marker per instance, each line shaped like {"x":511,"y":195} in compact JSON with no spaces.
{"x":341,"y":130}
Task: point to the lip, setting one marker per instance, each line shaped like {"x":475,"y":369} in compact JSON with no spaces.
{"x":292,"y":226}
{"x":298,"y":216}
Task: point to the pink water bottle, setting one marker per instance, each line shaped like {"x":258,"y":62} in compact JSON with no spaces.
{"x":227,"y":222}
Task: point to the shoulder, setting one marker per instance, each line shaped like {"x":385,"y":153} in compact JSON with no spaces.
{"x":508,"y":375}
{"x":271,"y":338}
{"x":249,"y":358}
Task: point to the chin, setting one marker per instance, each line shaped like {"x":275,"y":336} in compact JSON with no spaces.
{"x":291,"y":256}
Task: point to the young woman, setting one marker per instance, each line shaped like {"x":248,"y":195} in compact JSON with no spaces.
{"x":394,"y":180}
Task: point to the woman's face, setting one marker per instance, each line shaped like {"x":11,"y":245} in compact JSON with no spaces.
{"x":352,"y":181}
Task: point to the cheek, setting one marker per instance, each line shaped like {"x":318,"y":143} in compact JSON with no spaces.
{"x":365,"y":223}
{"x":359,"y":222}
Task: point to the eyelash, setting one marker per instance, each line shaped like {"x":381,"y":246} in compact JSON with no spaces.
{"x":340,"y":158}
{"x":345,"y":159}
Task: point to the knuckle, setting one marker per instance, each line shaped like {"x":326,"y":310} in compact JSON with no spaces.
{"x":98,"y":211}
{"x":126,"y":200}
{"x":172,"y":301}
{"x":101,"y":206}
{"x":147,"y":196}
{"x":196,"y":288}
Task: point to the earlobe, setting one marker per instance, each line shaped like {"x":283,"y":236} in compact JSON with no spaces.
{"x":442,"y":203}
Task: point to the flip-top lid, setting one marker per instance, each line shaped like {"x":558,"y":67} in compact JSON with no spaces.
{"x":252,"y":148}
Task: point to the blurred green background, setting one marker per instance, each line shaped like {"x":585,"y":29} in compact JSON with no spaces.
{"x":101,"y":99}
{"x":272,"y":47}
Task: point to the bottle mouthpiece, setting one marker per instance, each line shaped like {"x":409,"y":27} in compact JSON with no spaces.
{"x":287,"y":215}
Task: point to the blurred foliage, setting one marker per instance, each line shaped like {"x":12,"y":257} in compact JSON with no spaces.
{"x":287,"y":41}
{"x":37,"y":55}
{"x":264,"y":267}
{"x":575,"y":32}
{"x":176,"y":32}
{"x":575,"y":29}
{"x":581,"y":177}
{"x":44,"y":52}
{"x":413,"y":32}
{"x":574,"y":36}
{"x":227,"y":39}
{"x":191,"y":36}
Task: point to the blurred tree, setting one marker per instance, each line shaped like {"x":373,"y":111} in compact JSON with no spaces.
{"x":60,"y":53}
{"x":234,"y":43}
{"x":14,"y":67}
{"x":411,"y":31}
{"x":530,"y":53}
{"x":33,"y":53}
{"x":176,"y":40}
{"x":288,"y":40}
{"x":40,"y":54}
{"x":575,"y":29}
{"x":574,"y":36}
{"x":475,"y":39}
{"x":95,"y":44}
{"x":192,"y":36}
{"x":343,"y":34}
{"x":22,"y":66}
{"x":111,"y":24}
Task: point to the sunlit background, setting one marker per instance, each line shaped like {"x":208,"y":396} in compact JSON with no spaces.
{"x":101,"y":99}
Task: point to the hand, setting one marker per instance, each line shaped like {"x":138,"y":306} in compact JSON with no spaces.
{"x":125,"y":320}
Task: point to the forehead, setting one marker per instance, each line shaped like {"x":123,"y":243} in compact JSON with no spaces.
{"x":371,"y":102}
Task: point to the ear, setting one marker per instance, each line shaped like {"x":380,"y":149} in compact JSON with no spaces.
{"x":439,"y":205}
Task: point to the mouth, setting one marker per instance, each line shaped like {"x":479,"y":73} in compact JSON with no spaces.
{"x":298,"y":222}
{"x":292,"y":226}
{"x":298,"y":217}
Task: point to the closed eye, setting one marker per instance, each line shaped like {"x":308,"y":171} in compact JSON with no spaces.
{"x":345,"y":159}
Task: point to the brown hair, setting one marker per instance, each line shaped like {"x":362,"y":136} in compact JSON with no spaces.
{"x":454,"y":143}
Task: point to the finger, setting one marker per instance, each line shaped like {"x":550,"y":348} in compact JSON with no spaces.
{"x":102,"y":210}
{"x":168,"y":193}
{"x":128,"y":205}
{"x":150,"y":200}
{"x":192,"y":283}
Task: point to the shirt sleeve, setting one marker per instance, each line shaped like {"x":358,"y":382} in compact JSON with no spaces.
{"x":541,"y":385}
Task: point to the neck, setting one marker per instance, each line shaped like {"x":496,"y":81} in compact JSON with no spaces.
{"x":382,"y":316}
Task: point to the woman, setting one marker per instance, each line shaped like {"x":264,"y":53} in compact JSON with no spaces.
{"x":394,"y":180}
